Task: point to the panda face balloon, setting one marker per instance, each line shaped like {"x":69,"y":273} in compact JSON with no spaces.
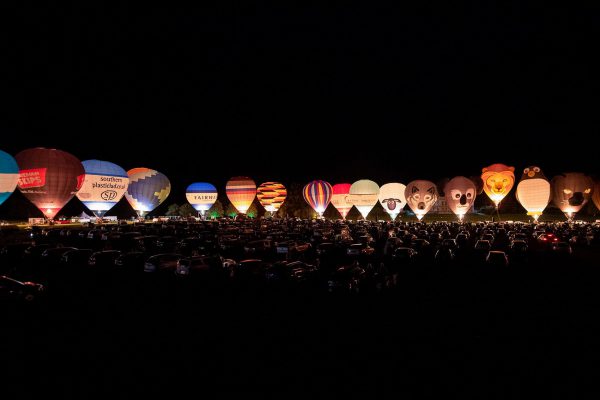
{"x":421,"y":196}
{"x":460,"y":195}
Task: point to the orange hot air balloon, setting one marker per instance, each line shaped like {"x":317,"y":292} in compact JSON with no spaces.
{"x":271,"y":195}
{"x":241,"y":191}
{"x":49,"y":178}
{"x":498,"y":180}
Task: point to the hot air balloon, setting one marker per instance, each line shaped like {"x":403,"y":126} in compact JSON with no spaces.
{"x":201,"y":196}
{"x":147,"y":189}
{"x":340,"y":199}
{"x":533,"y":191}
{"x":391,"y":197}
{"x":271,"y":195}
{"x":571,"y":191}
{"x":241,"y":191}
{"x":103,"y":186}
{"x":318,"y":195}
{"x":9,"y":175}
{"x":364,"y":195}
{"x":498,"y":180}
{"x":596,"y":195}
{"x":49,"y":178}
{"x":421,"y":196}
{"x":460,"y":195}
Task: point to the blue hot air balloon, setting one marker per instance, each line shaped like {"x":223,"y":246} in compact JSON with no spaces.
{"x":147,"y":189}
{"x":201,"y":195}
{"x":9,"y":175}
{"x":103,"y":186}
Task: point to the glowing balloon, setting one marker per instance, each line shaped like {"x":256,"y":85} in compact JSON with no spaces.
{"x":364,"y":195}
{"x":340,"y":199}
{"x":533,"y":191}
{"x":571,"y":191}
{"x":49,"y":178}
{"x":391,"y":197}
{"x":498,"y":180}
{"x":201,"y":196}
{"x":241,"y":191}
{"x":9,"y":175}
{"x":147,"y":189}
{"x":318,"y":195}
{"x":421,"y":196}
{"x":103,"y":186}
{"x":271,"y":195}
{"x":460,"y":195}
{"x":596,"y":195}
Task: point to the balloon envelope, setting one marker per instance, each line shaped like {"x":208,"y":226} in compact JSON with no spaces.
{"x":460,"y":193}
{"x":271,"y":195}
{"x":571,"y":191}
{"x":147,"y":189}
{"x":498,"y":180}
{"x":241,"y":191}
{"x":533,"y":191}
{"x":49,"y":178}
{"x":421,"y":196}
{"x":596,"y":194}
{"x":201,"y":195}
{"x":340,"y":200}
{"x":364,"y":195}
{"x":9,"y":175}
{"x":318,"y":195}
{"x":103,"y":186}
{"x":391,"y":197}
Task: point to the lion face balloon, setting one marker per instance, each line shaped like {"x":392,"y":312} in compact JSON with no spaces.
{"x":460,"y":195}
{"x":571,"y":191}
{"x":421,"y":196}
{"x":498,"y":180}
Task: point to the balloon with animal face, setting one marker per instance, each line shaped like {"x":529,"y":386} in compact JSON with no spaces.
{"x":460,"y":195}
{"x":571,"y":191}
{"x":340,"y":199}
{"x":533,"y":191}
{"x":391,"y":198}
{"x":364,"y":195}
{"x":596,"y":194}
{"x":498,"y":180}
{"x":421,"y":196}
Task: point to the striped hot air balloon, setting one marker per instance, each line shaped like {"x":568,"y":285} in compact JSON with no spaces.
{"x":104,"y":185}
{"x":9,"y":175}
{"x":49,"y":178}
{"x":147,"y":189}
{"x":241,"y":191}
{"x":340,"y":199}
{"x":201,"y":195}
{"x":318,"y":195}
{"x":271,"y":195}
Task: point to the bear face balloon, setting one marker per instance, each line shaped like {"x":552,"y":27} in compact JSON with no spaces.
{"x":421,"y":196}
{"x":460,"y":195}
{"x":498,"y":180}
{"x":533,"y":191}
{"x":571,"y":191}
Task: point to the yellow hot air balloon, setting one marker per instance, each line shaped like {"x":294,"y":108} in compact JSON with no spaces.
{"x":241,"y":191}
{"x":271,"y":195}
{"x":498,"y":180}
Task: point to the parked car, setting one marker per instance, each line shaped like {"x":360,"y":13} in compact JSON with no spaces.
{"x":23,"y":291}
{"x":162,"y":263}
{"x":497,"y":258}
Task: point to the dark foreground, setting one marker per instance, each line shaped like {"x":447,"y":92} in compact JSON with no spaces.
{"x":489,"y":333}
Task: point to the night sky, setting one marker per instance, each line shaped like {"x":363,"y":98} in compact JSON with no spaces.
{"x":223,"y":88}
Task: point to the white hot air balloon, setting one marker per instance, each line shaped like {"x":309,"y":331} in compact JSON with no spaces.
{"x":533,"y":191}
{"x":364,"y":195}
{"x":391,"y":197}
